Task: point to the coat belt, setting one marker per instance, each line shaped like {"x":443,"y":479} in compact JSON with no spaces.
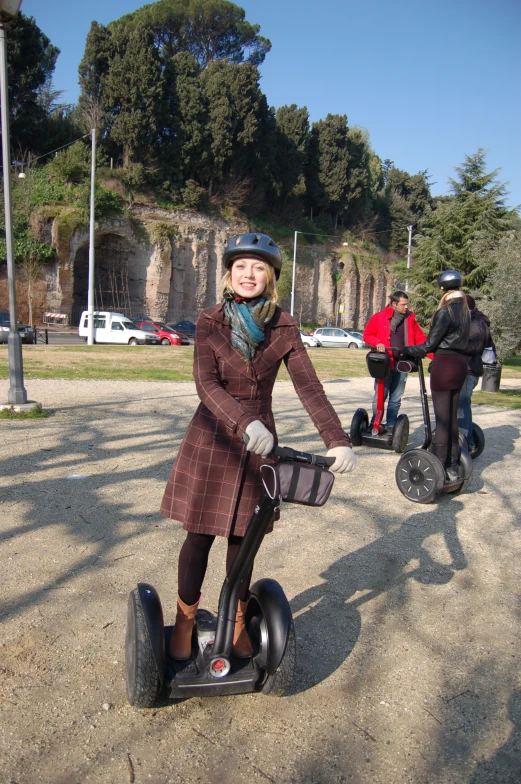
{"x":256,"y":406}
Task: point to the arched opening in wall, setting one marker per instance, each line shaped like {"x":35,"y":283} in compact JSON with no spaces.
{"x":114,"y":287}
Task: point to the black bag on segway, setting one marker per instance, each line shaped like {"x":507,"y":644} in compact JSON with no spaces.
{"x":378,"y":364}
{"x":310,"y":485}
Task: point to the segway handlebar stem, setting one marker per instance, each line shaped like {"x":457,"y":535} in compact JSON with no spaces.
{"x":425,"y":407}
{"x":249,"y":548}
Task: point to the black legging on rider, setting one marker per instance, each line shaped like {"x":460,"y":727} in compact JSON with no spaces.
{"x":193,"y":560}
{"x":448,"y":373}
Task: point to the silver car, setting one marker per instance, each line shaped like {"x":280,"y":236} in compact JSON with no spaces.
{"x":25,"y":332}
{"x":335,"y":337}
{"x":310,"y":341}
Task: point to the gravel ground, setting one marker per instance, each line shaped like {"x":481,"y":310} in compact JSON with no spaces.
{"x":407,"y":617}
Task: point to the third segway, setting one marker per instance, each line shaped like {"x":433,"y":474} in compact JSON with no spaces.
{"x":380,"y":364}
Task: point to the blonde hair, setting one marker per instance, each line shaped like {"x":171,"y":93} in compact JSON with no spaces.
{"x":450,"y":294}
{"x":270,"y":290}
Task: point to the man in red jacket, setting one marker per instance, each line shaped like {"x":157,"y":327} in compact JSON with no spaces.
{"x":395,"y":326}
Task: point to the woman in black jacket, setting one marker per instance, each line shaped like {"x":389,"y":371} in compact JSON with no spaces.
{"x":447,"y":338}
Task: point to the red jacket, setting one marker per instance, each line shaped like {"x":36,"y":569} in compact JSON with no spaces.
{"x":378,"y":329}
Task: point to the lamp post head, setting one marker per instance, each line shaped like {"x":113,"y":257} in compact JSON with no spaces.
{"x":9,"y":9}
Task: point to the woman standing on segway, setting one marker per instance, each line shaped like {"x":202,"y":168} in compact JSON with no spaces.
{"x":447,"y":338}
{"x":215,"y":481}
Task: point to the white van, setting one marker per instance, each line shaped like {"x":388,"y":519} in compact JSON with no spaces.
{"x":115,"y":328}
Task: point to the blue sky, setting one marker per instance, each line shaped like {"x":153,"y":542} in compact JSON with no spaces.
{"x":430,"y":81}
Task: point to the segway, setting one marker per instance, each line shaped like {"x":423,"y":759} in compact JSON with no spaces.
{"x":380,"y":364}
{"x":212,"y":668}
{"x":420,"y":475}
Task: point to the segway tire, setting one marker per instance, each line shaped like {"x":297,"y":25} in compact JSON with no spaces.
{"x":359,"y":422}
{"x":420,"y":476}
{"x":479,"y":441}
{"x":400,"y":433}
{"x":143,"y":681}
{"x":277,"y":684}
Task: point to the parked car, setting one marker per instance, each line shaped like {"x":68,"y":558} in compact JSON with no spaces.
{"x":335,"y":337}
{"x":186,"y":327}
{"x":167,"y":336}
{"x":26,"y":333}
{"x":115,"y":328}
{"x":309,"y":340}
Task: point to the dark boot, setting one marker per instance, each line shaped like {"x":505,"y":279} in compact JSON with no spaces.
{"x":181,"y":640}
{"x":241,"y":646}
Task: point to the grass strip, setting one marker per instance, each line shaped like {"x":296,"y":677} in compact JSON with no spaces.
{"x":504,"y":398}
{"x":35,"y":413}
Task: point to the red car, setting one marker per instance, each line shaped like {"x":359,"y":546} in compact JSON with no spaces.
{"x":166,"y":335}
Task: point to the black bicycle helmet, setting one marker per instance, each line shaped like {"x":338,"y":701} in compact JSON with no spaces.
{"x":258,"y":245}
{"x":451,"y":279}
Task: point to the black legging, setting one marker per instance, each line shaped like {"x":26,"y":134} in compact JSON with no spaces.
{"x":446,"y":443}
{"x":193,"y":560}
{"x":448,"y":373}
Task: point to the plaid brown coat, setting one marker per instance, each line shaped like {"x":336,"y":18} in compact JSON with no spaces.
{"x":215,"y":482}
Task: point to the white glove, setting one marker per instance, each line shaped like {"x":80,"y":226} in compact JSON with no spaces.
{"x":345,"y":459}
{"x":261,"y":441}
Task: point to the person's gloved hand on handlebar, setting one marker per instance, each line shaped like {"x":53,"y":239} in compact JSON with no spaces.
{"x":260,"y":440}
{"x":345,"y":459}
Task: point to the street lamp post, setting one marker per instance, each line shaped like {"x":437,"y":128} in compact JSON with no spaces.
{"x":293,"y":274}
{"x":409,"y":245}
{"x":17,"y":393}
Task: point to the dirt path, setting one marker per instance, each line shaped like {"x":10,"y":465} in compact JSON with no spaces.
{"x":407,"y":617}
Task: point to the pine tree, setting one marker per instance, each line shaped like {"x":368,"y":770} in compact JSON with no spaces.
{"x":474,"y":217}
{"x":133,"y":95}
{"x":291,"y":147}
{"x":328,"y":171}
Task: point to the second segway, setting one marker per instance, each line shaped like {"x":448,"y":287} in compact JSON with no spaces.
{"x":380,"y":364}
{"x":419,"y":474}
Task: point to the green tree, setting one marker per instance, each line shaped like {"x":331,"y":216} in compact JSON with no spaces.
{"x":188,"y":149}
{"x":328,"y":171}
{"x":475,"y":217}
{"x":207,"y":29}
{"x":504,"y":303}
{"x":92,"y":71}
{"x":291,"y":147}
{"x":239,"y":121}
{"x":133,"y":95}
{"x":31,"y":59}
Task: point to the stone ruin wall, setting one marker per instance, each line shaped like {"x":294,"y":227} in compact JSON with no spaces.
{"x":325,"y":280}
{"x":173,"y":265}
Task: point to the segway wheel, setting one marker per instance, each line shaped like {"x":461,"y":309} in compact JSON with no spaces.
{"x":359,"y":423}
{"x":479,"y":441}
{"x":400,"y":433}
{"x":143,"y":681}
{"x":279,"y":683}
{"x":419,"y":476}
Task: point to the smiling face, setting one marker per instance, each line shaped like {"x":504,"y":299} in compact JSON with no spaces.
{"x":248,"y":277}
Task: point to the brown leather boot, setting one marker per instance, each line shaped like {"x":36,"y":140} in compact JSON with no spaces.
{"x":181,"y":640}
{"x":241,"y":646}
